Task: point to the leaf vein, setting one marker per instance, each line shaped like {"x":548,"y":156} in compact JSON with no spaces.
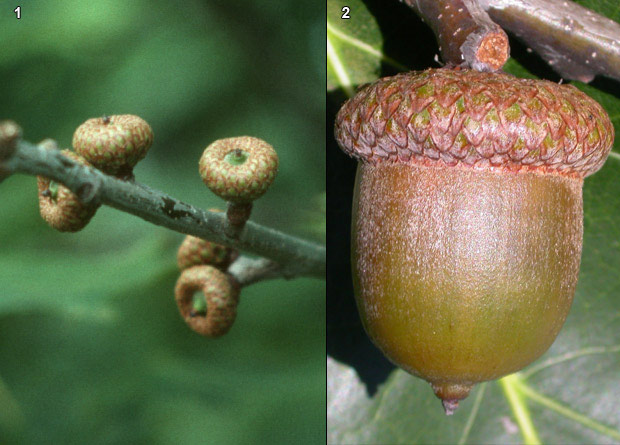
{"x":567,"y":412}
{"x":473,"y":414}
{"x":339,"y":69}
{"x":363,"y":46}
{"x":510,"y":385}
{"x":570,"y":356}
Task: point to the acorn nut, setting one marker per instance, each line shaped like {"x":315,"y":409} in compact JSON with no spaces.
{"x":467,"y":217}
{"x":114,"y":144}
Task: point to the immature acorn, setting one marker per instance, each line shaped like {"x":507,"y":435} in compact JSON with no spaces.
{"x":221,"y":294}
{"x":467,"y":217}
{"x":114,"y":144}
{"x":239,"y":170}
{"x":58,"y":205}
{"x":196,"y":251}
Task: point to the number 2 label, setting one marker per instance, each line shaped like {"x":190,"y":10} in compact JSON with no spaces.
{"x":345,"y":12}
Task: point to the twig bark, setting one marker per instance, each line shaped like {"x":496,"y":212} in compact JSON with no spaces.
{"x":578,"y":43}
{"x":294,"y":256}
{"x":465,"y":33}
{"x":248,"y":271}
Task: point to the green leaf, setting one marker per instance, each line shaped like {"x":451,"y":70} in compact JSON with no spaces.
{"x":353,"y":45}
{"x":569,"y":395}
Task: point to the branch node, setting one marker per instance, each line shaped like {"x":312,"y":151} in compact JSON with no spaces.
{"x":466,"y":35}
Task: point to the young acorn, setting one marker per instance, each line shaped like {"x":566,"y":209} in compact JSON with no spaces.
{"x":467,"y":217}
{"x":196,"y":251}
{"x":114,"y":144}
{"x":239,"y":170}
{"x":59,"y":206}
{"x":221,"y":294}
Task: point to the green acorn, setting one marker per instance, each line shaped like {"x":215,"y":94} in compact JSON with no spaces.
{"x":239,"y":169}
{"x":114,"y":144}
{"x":221,"y":294}
{"x":58,"y":205}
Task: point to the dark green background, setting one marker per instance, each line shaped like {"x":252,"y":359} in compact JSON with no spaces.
{"x":92,"y":349}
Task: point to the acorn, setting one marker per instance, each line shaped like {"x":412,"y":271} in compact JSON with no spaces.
{"x":468,"y":217}
{"x":195,"y":251}
{"x":114,"y":144}
{"x":239,"y":170}
{"x":60,"y":207}
{"x":214,"y":315}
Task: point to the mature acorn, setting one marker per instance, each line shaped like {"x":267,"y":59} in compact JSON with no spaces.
{"x":114,"y":144}
{"x":215,"y":315}
{"x":467,"y":217}
{"x":59,"y":206}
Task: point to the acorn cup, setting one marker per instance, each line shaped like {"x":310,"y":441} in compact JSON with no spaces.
{"x":214,"y":315}
{"x":195,"y":251}
{"x":467,"y":218}
{"x":114,"y":144}
{"x":239,"y":170}
{"x":59,"y":207}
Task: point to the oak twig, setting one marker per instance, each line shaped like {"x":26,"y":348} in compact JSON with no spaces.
{"x":283,"y":255}
{"x":578,"y":43}
{"x":248,"y":271}
{"x":465,"y":33}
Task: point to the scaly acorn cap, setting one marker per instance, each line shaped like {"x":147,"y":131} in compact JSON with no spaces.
{"x":239,"y":169}
{"x":59,"y":206}
{"x":197,"y":251}
{"x":113,"y":144}
{"x":469,"y":119}
{"x":221,"y":294}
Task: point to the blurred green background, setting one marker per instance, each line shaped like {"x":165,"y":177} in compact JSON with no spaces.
{"x":92,"y":349}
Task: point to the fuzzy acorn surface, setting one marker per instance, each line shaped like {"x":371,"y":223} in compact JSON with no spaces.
{"x":467,"y":218}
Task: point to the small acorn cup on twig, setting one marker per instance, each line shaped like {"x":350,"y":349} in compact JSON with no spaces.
{"x":196,"y":251}
{"x":59,"y":206}
{"x":467,"y":217}
{"x":239,"y":170}
{"x":114,"y":144}
{"x":214,"y":314}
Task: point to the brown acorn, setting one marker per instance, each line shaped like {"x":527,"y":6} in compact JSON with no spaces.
{"x":467,"y":217}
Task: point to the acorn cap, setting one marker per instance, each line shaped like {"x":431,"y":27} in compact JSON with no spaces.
{"x":64,"y":211}
{"x":113,"y":144}
{"x":221,"y":294}
{"x":239,"y":169}
{"x":196,"y":251}
{"x":467,"y":118}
